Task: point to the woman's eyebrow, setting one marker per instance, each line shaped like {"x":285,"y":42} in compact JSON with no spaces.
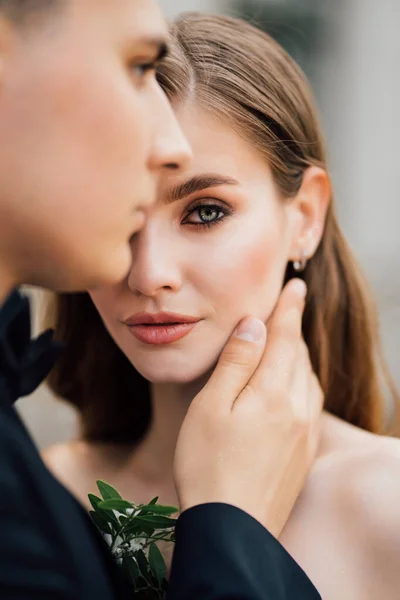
{"x":158,"y":45}
{"x":197,"y":183}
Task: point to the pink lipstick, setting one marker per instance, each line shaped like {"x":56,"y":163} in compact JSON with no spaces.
{"x":160,"y":328}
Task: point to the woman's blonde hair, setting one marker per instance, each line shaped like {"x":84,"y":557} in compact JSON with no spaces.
{"x":235,"y":70}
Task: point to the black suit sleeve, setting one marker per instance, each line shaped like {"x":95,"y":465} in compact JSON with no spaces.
{"x":49,"y":549}
{"x":222,"y":553}
{"x":31,"y":565}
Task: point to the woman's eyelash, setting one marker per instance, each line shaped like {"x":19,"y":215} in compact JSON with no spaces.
{"x":213,"y":213}
{"x":145,"y":67}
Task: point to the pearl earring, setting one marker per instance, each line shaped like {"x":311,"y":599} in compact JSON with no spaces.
{"x":300,"y":264}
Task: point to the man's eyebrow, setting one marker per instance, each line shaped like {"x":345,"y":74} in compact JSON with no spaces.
{"x":197,"y":183}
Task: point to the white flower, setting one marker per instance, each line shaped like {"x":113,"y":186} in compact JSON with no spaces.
{"x":118,"y":554}
{"x":135,"y":545}
{"x":128,"y":511}
{"x":117,"y":543}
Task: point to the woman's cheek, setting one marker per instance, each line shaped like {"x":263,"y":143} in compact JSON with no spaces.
{"x":245,"y":276}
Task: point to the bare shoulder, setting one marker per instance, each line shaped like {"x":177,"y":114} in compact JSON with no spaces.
{"x":363,"y":467}
{"x":357,"y":483}
{"x":345,"y":527}
{"x":60,"y":457}
{"x":67,"y":462}
{"x":370,"y":487}
{"x":358,"y":473}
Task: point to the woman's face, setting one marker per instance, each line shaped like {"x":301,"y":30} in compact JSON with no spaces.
{"x":214,"y":250}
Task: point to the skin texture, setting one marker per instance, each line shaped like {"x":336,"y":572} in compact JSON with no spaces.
{"x":86,"y":133}
{"x":341,"y":528}
{"x":218,"y":274}
{"x":344,"y":528}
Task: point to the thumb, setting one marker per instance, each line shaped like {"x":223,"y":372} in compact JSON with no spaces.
{"x":237,"y":363}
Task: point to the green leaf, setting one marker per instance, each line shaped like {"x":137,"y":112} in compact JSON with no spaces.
{"x":106,"y":515}
{"x":131,"y":569}
{"x":147,"y":524}
{"x":133,"y":527}
{"x":156,"y":522}
{"x":100,"y":523}
{"x":115,"y":504}
{"x":94,"y":500}
{"x":154,"y":501}
{"x":142,"y":563}
{"x":109,"y":515}
{"x":156,"y":590}
{"x":158,"y":509}
{"x":157,"y":563}
{"x":107,"y":491}
{"x":142,"y":584}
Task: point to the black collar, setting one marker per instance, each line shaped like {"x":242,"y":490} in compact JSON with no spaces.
{"x":24,"y":363}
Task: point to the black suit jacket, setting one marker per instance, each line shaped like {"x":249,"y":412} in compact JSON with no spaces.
{"x":49,"y":549}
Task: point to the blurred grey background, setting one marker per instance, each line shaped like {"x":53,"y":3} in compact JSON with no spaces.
{"x":350,"y":49}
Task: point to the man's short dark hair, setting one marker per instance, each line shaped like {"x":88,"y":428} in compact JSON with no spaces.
{"x":21,"y":11}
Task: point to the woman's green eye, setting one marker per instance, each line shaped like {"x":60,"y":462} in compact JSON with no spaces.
{"x":208,"y":213}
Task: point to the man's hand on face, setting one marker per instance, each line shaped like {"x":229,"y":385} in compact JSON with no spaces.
{"x":250,"y":436}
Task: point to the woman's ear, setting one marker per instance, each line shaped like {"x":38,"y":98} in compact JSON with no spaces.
{"x":309,"y":208}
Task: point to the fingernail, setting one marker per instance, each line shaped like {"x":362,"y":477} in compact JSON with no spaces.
{"x":251,"y":330}
{"x":299,"y":287}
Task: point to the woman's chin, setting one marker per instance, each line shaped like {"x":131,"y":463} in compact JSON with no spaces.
{"x":174,"y":374}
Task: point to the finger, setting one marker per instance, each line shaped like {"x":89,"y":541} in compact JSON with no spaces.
{"x":237,"y":363}
{"x":317,"y":398}
{"x":275,"y":371}
{"x":301,"y":384}
{"x":307,"y":399}
{"x":315,"y":408}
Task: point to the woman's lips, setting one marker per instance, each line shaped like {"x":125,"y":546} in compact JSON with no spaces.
{"x":162,"y":333}
{"x":160,"y":328}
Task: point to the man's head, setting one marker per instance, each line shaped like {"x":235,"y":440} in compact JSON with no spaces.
{"x":20,"y":11}
{"x":85,"y":132}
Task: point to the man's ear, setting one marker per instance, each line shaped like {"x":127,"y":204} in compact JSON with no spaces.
{"x":309,"y":207}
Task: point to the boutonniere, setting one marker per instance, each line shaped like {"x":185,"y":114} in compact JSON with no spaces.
{"x":132,"y":532}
